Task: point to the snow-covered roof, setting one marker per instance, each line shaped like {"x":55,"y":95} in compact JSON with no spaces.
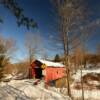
{"x":49,"y":63}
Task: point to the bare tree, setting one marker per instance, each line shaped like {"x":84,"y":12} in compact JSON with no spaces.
{"x":70,"y":13}
{"x":98,"y":49}
{"x":77,"y":58}
{"x":43,"y":53}
{"x":7,"y":47}
{"x":33,"y":44}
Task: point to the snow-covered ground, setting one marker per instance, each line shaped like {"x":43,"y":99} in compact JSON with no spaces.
{"x":77,"y":94}
{"x":77,"y":76}
{"x":90,"y":83}
{"x":88,"y":94}
{"x":25,"y":90}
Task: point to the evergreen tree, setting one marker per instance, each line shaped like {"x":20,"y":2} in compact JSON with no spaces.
{"x":57,"y":58}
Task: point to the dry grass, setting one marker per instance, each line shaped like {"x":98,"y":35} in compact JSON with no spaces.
{"x":62,"y":82}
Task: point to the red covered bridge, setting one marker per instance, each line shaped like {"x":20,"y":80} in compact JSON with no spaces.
{"x":50,"y":70}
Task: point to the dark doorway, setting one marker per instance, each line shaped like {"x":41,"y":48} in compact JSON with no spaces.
{"x":38,"y":73}
{"x":38,"y":70}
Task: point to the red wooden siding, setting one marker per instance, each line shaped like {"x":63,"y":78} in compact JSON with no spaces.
{"x":53,"y":73}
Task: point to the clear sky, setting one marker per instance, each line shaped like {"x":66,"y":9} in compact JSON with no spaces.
{"x":40,"y":11}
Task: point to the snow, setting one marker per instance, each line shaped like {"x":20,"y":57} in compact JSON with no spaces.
{"x":49,"y":63}
{"x":25,"y":90}
{"x":77,"y":94}
{"x":88,"y":94}
{"x":77,"y":76}
{"x":92,"y":94}
{"x":97,"y":83}
{"x":8,"y":76}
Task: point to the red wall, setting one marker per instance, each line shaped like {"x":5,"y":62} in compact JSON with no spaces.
{"x":53,"y":73}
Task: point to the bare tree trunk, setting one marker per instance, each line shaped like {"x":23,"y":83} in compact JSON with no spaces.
{"x":82,"y":62}
{"x":66,"y":56}
{"x":29,"y":75}
{"x":30,"y":61}
{"x":82,"y":85}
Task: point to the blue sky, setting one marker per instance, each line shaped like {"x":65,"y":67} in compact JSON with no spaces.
{"x":41,"y":12}
{"x":36,"y":9}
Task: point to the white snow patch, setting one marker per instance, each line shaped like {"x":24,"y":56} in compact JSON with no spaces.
{"x":49,"y":63}
{"x":94,"y":82}
{"x":77,"y":76}
{"x":88,"y":94}
{"x":93,"y":94}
